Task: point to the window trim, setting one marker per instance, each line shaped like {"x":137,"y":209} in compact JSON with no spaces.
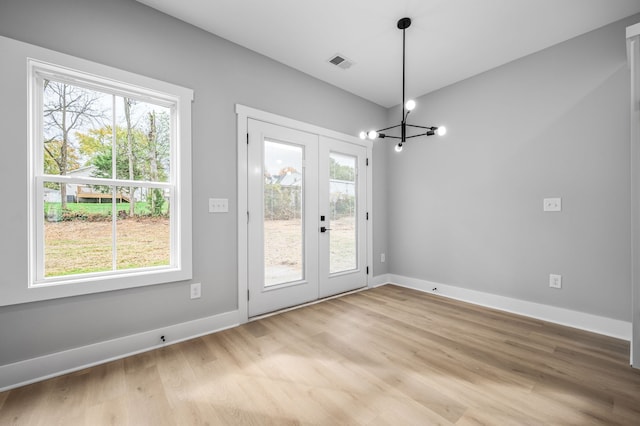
{"x":87,"y":74}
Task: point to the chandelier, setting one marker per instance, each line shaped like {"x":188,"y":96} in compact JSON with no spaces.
{"x":407,"y":107}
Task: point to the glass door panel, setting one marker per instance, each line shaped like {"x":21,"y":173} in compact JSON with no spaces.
{"x":283,"y":218}
{"x":343,"y":239}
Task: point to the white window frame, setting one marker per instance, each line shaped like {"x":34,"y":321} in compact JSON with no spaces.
{"x":109,"y":80}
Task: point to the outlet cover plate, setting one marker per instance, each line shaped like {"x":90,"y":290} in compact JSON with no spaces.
{"x":552,"y":204}
{"x":196,"y":291}
{"x":555,"y":281}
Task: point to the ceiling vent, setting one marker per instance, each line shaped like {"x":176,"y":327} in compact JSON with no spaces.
{"x":340,"y":61}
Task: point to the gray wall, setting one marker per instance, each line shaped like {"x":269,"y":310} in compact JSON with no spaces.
{"x":466,"y":209}
{"x":130,"y":36}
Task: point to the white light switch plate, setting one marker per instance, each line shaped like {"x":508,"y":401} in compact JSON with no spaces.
{"x":218,"y":205}
{"x":552,"y":204}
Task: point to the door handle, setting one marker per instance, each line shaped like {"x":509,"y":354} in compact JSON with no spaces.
{"x":324,"y":229}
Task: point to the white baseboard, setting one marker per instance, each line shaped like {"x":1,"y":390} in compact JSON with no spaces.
{"x":379,"y":280}
{"x":44,"y":367}
{"x":594,"y":323}
{"x":41,"y":368}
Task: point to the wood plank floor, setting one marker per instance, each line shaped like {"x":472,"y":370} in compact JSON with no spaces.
{"x":384,"y":356}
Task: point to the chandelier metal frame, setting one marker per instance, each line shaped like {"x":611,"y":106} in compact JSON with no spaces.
{"x":407,"y":107}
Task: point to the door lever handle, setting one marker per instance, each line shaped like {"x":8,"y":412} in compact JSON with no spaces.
{"x":324,"y":229}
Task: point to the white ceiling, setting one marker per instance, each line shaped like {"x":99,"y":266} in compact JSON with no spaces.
{"x":448,"y":41}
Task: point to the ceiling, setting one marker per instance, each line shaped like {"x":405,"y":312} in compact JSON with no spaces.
{"x":448,"y":40}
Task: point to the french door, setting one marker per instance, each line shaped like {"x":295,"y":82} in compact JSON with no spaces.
{"x":307,"y":220}
{"x":342,"y":195}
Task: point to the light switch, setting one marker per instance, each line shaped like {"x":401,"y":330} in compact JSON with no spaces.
{"x":218,"y":205}
{"x":552,"y":204}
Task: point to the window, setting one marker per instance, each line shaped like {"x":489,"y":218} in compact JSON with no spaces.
{"x":110,"y":197}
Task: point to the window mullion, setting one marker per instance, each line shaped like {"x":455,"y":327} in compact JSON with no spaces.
{"x":103,"y":181}
{"x":37,"y":169}
{"x":114,"y":206}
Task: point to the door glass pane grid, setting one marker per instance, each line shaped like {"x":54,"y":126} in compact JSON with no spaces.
{"x":343,"y":237}
{"x":283,"y":213}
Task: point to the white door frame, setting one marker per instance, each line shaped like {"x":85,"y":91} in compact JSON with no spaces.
{"x":633,"y":58}
{"x":243,"y":113}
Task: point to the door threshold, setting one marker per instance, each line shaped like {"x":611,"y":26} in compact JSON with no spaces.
{"x":313,"y":302}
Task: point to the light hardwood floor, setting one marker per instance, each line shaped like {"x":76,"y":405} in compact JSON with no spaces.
{"x":384,"y":356}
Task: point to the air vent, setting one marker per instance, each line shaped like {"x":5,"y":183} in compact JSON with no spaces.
{"x":340,"y":61}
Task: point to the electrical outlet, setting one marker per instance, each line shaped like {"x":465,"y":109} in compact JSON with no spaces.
{"x":555,"y":281}
{"x":195,"y":290}
{"x":552,"y":204}
{"x":383,"y":258}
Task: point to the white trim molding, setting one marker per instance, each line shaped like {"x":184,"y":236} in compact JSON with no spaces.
{"x":633,"y":60}
{"x":379,"y":280}
{"x":581,"y":320}
{"x":33,"y":370}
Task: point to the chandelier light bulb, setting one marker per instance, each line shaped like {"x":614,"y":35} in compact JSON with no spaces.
{"x":373,"y":135}
{"x":363,"y":135}
{"x":410,"y":105}
{"x":442,"y":131}
{"x":399,"y":147}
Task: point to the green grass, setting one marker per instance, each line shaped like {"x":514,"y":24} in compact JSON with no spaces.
{"x":78,"y":247}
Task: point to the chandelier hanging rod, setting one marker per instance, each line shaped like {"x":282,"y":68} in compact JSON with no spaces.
{"x":403,"y":24}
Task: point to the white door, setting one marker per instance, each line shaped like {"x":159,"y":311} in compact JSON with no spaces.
{"x":307,"y":217}
{"x":343,"y":188}
{"x":283,"y":224}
